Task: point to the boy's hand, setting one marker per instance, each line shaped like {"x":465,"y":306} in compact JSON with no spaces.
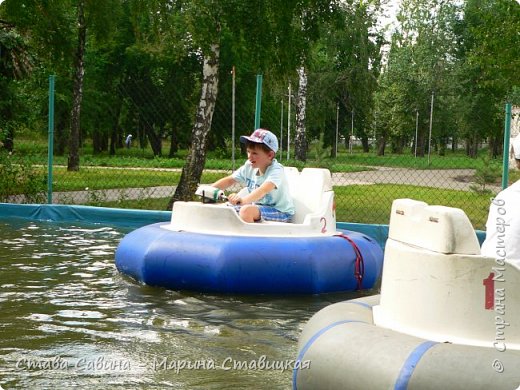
{"x":234,"y":199}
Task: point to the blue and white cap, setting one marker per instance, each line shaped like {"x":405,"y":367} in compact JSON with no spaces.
{"x":262,"y":136}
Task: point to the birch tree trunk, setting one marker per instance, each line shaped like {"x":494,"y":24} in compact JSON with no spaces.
{"x":300,"y":140}
{"x":77,"y":93}
{"x":192,"y":170}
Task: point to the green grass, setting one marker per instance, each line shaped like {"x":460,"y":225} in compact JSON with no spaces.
{"x":95,"y":178}
{"x":345,"y":162}
{"x":452,"y":160}
{"x":139,"y":204}
{"x":372,"y":203}
{"x":514,"y":176}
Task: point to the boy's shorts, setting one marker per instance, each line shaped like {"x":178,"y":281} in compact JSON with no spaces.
{"x":269,"y":213}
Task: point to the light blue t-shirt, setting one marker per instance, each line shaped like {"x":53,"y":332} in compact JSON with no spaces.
{"x":279,"y":197}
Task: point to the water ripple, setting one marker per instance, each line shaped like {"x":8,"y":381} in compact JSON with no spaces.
{"x":62,"y":296}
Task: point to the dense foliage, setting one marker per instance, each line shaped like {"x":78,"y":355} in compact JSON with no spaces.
{"x":134,"y":66}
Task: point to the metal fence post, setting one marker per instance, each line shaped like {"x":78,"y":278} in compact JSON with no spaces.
{"x":289,"y":124}
{"x":430,"y":130}
{"x":233,"y":119}
{"x":281,"y":128}
{"x":337,"y":131}
{"x":51,"y":138}
{"x":258,"y":108}
{"x":507,"y":132}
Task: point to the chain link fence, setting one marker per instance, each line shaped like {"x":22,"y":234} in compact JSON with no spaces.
{"x":136,"y":136}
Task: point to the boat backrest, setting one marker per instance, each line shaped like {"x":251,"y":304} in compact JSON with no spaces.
{"x":313,"y":197}
{"x":435,"y":228}
{"x":312,"y":193}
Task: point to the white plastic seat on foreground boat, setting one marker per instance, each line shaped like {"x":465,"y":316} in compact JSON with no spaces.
{"x":436,"y":282}
{"x":313,"y":197}
{"x":447,"y":317}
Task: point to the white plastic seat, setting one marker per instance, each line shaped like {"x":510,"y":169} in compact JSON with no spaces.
{"x":313,"y":197}
{"x":312,"y":194}
{"x":293,"y":175}
{"x":436,"y":284}
{"x":435,"y":228}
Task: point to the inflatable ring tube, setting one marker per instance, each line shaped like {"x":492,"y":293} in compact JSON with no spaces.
{"x":341,"y":348}
{"x":247,"y":264}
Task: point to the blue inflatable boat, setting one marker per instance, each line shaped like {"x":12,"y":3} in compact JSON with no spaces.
{"x":208,"y":248}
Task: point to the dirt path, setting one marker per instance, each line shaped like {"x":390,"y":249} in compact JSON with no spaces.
{"x":455,"y":179}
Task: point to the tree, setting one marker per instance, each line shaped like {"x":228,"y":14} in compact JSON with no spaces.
{"x":58,"y":34}
{"x":77,"y":91}
{"x":261,"y":29}
{"x":196,"y":159}
{"x":420,"y":64}
{"x":15,"y":63}
{"x":309,"y":15}
{"x":488,"y":59}
{"x":300,"y":142}
{"x":98,"y":18}
{"x":208,"y":19}
{"x":345,"y":62}
{"x":157,"y":76}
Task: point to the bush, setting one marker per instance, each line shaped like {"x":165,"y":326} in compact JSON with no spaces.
{"x":19,"y":177}
{"x":321,"y":153}
{"x":487,"y":173}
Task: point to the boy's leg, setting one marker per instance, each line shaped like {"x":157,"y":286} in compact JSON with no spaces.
{"x":269,"y":213}
{"x":253,"y":213}
{"x":250,"y":213}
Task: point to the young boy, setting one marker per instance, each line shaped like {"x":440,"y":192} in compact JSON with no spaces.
{"x":268,"y":195}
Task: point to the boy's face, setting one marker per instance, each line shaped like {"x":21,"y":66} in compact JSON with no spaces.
{"x":259,"y":158}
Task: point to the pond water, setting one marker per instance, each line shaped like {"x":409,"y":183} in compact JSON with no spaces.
{"x":70,"y":320}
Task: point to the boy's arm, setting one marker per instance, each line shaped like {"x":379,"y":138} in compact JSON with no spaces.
{"x":258,"y":193}
{"x":225,"y":182}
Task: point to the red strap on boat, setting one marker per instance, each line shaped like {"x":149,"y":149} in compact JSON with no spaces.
{"x":359,"y":269}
